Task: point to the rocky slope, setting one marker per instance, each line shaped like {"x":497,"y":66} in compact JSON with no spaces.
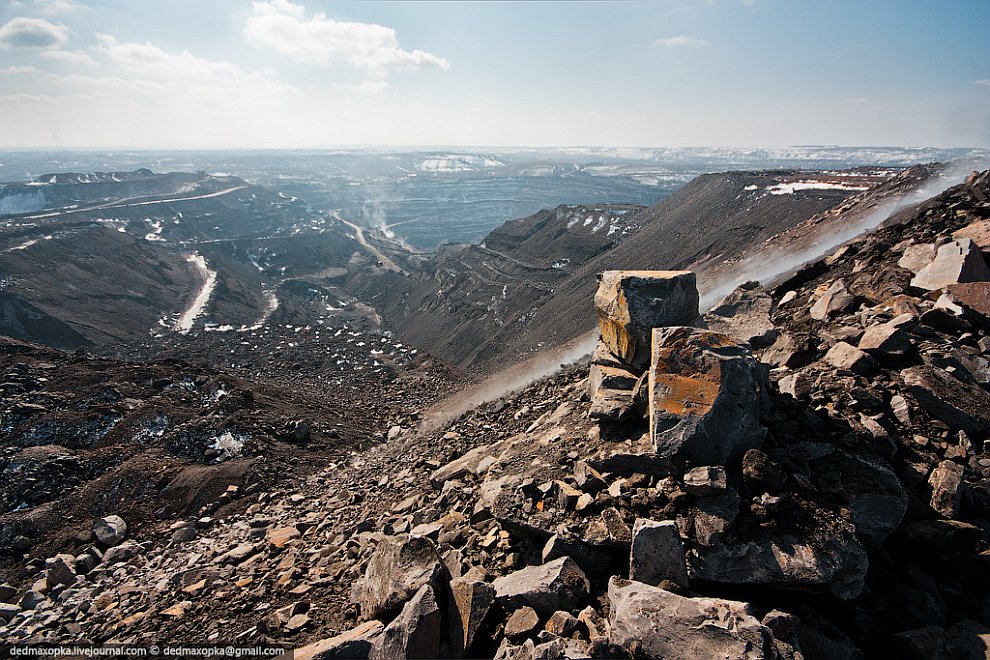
{"x":806,"y":477}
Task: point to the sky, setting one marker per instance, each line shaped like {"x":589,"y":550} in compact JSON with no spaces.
{"x":306,"y":74}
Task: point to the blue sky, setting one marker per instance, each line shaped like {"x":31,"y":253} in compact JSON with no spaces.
{"x":301,"y":73}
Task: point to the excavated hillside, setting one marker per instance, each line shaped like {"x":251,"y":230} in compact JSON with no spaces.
{"x":527,"y":286}
{"x":806,"y":478}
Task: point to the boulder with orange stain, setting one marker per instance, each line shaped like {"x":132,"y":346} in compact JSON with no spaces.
{"x":706,"y":392}
{"x":630,"y":303}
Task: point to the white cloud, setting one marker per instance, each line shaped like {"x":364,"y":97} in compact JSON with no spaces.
{"x":855,"y":100}
{"x":70,"y":56}
{"x":366,"y":87}
{"x":679,"y":41}
{"x":24,"y":32}
{"x":283,"y":26}
{"x":983,"y":82}
{"x":50,"y":7}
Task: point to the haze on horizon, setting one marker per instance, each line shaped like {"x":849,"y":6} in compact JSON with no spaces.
{"x":305,"y":74}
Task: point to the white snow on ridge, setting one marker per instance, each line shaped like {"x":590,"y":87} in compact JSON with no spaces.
{"x":198,"y":305}
{"x":458,"y":163}
{"x":791,"y":188}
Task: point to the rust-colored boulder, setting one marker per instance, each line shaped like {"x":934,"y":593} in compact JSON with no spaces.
{"x":706,"y":391}
{"x":630,"y":303}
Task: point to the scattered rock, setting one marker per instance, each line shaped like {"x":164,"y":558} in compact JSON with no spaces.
{"x":657,"y":553}
{"x":469,"y":604}
{"x":693,"y":628}
{"x":60,"y":569}
{"x":355,"y":643}
{"x":416,"y":633}
{"x":947,"y":483}
{"x":847,"y":357}
{"x":396,"y":571}
{"x":744,"y":315}
{"x":705,"y":480}
{"x":559,"y":585}
{"x":956,"y":403}
{"x":521,"y":623}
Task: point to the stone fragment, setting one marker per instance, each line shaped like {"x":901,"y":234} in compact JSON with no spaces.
{"x":916,"y":257}
{"x":947,"y":483}
{"x":588,"y":478}
{"x":110,"y":531}
{"x":958,"y":404}
{"x":467,"y":464}
{"x":886,"y":342}
{"x":955,"y":262}
{"x":468,"y":605}
{"x":588,"y":558}
{"x":630,"y":304}
{"x":973,"y":297}
{"x":395,"y":572}
{"x":798,"y":384}
{"x":847,"y":357}
{"x":355,"y":643}
{"x":712,"y":517}
{"x":8,"y":593}
{"x":657,"y":553}
{"x":559,"y":585}
{"x":705,"y":481}
{"x":238,"y":553}
{"x":416,"y":633}
{"x":521,"y":623}
{"x":901,"y":409}
{"x":761,"y":473}
{"x":60,"y":569}
{"x":835,"y":299}
{"x":706,"y":393}
{"x":745,"y":315}
{"x":562,"y":624}
{"x":121,"y":552}
{"x":692,"y":628}
{"x":876,"y":500}
{"x":978,"y":232}
{"x":8,"y":611}
{"x":789,"y":351}
{"x":610,"y":378}
{"x":612,"y":405}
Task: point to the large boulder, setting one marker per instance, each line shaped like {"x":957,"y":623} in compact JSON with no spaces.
{"x":110,"y":531}
{"x":559,"y":585}
{"x":630,"y":303}
{"x":416,"y":633}
{"x":706,"y":391}
{"x":396,"y":571}
{"x":745,"y":315}
{"x":874,"y":496}
{"x":808,"y":548}
{"x":958,"y":404}
{"x":955,"y":262}
{"x":649,"y":622}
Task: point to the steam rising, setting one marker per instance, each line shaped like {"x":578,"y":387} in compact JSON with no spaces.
{"x":766,"y":267}
{"x":763,"y":266}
